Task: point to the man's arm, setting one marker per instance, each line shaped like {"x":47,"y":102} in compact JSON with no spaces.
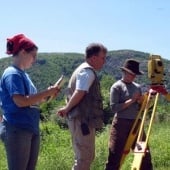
{"x":74,"y":100}
{"x":116,"y":105}
{"x":84,"y":80}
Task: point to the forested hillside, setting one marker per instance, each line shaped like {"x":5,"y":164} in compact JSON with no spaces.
{"x":50,"y":66}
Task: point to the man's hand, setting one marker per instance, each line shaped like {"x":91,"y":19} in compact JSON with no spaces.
{"x":74,"y":100}
{"x":62,"y":112}
{"x":136,"y":96}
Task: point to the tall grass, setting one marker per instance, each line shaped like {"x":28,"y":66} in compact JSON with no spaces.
{"x":56,"y":150}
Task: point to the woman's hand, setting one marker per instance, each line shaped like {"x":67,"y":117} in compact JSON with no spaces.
{"x":53,"y":92}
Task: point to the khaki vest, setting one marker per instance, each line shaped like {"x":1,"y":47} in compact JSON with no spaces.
{"x":90,"y":108}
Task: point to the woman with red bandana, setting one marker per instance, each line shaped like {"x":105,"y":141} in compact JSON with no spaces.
{"x":20,"y":125}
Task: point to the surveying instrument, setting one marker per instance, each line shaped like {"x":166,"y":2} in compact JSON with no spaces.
{"x":150,"y":100}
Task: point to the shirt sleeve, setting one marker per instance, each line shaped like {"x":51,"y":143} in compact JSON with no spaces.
{"x":115,"y":104}
{"x":14,"y":84}
{"x":84,"y":79}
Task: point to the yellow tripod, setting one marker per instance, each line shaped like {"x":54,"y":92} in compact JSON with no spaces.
{"x":136,"y":132}
{"x":141,"y":146}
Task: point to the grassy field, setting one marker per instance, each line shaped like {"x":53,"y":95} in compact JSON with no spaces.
{"x":56,"y":150}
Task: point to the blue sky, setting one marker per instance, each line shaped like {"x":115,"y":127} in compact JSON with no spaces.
{"x":70,"y":25}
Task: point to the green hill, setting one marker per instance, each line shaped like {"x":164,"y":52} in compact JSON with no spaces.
{"x":50,"y":66}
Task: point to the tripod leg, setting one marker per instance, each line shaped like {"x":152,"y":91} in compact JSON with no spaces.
{"x":134,"y":131}
{"x":141,"y":146}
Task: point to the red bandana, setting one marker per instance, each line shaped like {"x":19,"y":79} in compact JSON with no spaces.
{"x":17,"y":42}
